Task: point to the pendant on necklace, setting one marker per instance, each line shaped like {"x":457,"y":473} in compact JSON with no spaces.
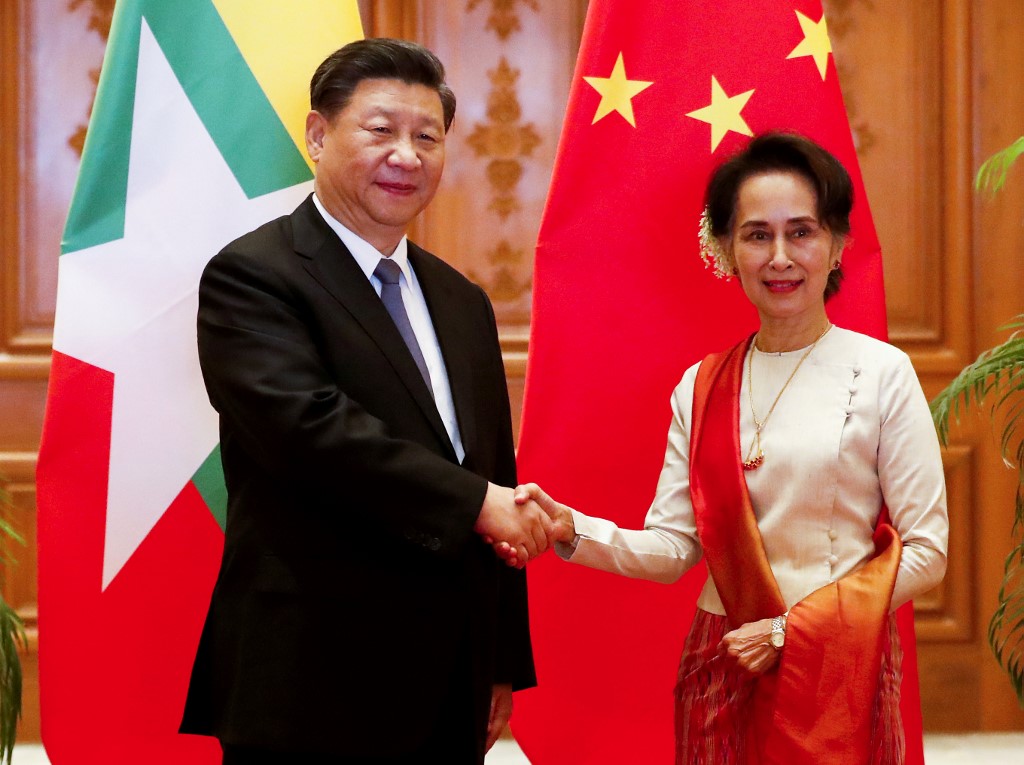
{"x":755,"y":463}
{"x":755,"y":443}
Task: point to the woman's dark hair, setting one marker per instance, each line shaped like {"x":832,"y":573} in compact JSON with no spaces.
{"x":787,"y":153}
{"x":377,"y":58}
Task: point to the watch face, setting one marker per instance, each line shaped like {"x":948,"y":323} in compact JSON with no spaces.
{"x":778,"y":638}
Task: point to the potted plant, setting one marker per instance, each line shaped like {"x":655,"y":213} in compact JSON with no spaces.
{"x":996,"y":379}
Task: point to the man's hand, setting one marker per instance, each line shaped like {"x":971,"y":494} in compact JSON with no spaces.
{"x":501,"y":711}
{"x":524,"y":527}
{"x":564,"y":530}
{"x":560,"y":529}
{"x":749,"y":646}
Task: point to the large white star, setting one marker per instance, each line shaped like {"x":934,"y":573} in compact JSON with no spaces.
{"x":129,"y":306}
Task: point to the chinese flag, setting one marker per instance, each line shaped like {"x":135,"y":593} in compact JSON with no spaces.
{"x":662,"y":93}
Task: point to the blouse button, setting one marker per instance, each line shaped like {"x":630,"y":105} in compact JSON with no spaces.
{"x":853,"y":390}
{"x":833,"y":534}
{"x":848,"y":410}
{"x":833,"y":560}
{"x":856,"y":370}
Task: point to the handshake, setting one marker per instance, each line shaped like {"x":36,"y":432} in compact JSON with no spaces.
{"x":521,"y":524}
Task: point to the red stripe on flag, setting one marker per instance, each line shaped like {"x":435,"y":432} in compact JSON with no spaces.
{"x":113,"y":665}
{"x":622,"y":306}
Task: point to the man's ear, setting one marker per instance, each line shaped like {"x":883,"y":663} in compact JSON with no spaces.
{"x":316,"y":127}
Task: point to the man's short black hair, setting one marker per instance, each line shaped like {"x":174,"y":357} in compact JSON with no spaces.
{"x":377,"y":58}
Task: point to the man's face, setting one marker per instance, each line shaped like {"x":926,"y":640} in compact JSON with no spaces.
{"x":379,"y":160}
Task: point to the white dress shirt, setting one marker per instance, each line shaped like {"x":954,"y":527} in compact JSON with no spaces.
{"x":367,"y":256}
{"x":852,"y":431}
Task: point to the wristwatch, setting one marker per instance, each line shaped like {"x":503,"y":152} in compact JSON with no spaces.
{"x":778,"y":636}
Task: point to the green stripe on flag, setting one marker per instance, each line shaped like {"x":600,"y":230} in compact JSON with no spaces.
{"x":221,"y":88}
{"x":229,"y":100}
{"x":97,"y":206}
{"x":209,"y":480}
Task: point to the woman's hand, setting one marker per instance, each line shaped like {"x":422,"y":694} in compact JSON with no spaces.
{"x":562,"y":529}
{"x":750,"y":647}
{"x":561,"y":515}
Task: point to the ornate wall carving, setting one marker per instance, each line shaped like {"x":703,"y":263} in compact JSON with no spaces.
{"x":505,"y":143}
{"x":504,"y":140}
{"x":101,"y":13}
{"x":504,"y":18}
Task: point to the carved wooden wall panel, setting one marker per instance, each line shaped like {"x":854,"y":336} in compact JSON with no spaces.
{"x":932,"y":88}
{"x":946,"y":613}
{"x":997,"y":80}
{"x":906,"y":80}
{"x":910,"y":72}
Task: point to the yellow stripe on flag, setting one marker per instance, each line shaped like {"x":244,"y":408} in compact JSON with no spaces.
{"x":283,"y":42}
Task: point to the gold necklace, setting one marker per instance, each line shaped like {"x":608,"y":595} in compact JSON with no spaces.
{"x":754,"y":462}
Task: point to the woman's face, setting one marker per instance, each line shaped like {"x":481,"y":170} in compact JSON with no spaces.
{"x":782,"y":252}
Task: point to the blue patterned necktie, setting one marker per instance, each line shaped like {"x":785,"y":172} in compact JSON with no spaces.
{"x":391,"y":293}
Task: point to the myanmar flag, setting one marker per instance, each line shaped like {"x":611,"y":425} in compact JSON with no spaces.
{"x":663,"y":92}
{"x":196,"y":137}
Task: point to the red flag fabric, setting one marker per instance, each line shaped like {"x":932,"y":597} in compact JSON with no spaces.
{"x":662,"y":93}
{"x":113,"y":689}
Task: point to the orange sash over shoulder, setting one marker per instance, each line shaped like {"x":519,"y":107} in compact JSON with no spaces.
{"x":817,"y":705}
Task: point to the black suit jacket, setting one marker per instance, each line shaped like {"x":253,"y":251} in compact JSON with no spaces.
{"x":352,"y":585}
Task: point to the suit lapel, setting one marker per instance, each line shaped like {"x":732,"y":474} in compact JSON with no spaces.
{"x":329,"y":262}
{"x":449,"y":320}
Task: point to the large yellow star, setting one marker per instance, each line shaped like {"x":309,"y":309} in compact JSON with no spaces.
{"x":815,"y":42}
{"x":616,"y":92}
{"x":723,"y":113}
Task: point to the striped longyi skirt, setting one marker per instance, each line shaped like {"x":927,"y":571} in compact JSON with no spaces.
{"x":712,"y":699}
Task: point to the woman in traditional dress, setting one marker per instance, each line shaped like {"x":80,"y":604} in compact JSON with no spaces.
{"x":803,"y":465}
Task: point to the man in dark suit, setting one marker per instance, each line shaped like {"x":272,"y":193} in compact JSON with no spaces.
{"x":359,"y":615}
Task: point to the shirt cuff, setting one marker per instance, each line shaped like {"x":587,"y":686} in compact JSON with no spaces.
{"x":565,"y":550}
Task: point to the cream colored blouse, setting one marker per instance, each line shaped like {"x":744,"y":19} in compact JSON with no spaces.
{"x":851,"y":431}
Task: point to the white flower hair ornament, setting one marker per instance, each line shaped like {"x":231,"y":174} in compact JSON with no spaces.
{"x":711,"y":251}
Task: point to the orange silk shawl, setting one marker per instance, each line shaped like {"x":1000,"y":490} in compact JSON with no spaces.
{"x":816,"y":706}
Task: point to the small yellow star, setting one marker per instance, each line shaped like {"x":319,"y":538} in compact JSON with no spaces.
{"x":723,"y":113}
{"x":815,"y":42}
{"x":616,"y":92}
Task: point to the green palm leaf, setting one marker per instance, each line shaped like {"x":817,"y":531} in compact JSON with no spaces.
{"x":997,"y":376}
{"x":993,"y":171}
{"x":12,"y":635}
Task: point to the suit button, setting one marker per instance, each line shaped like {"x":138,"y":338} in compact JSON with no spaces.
{"x":434,"y":544}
